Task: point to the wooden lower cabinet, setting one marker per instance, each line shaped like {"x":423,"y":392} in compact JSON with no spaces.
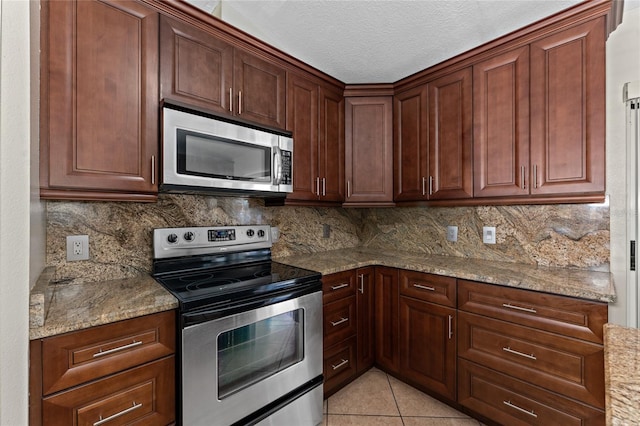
{"x":365,"y":306}
{"x":340,"y":365}
{"x":386,"y":319}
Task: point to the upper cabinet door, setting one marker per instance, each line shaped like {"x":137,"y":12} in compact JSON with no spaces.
{"x":450,"y":136}
{"x":196,"y":67}
{"x":260,"y":93}
{"x":568,"y":110}
{"x":100,"y":106}
{"x":501,"y":124}
{"x":331,"y":146}
{"x":411,"y":145}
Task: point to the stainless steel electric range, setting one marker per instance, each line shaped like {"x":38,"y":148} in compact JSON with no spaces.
{"x":250,"y":329}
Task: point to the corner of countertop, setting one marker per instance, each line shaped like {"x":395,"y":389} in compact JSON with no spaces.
{"x":40,"y":297}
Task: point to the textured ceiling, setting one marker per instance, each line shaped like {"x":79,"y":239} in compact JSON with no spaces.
{"x":378,"y":41}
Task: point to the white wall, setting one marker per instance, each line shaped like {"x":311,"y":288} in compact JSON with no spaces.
{"x":15,"y":125}
{"x":623,"y":65}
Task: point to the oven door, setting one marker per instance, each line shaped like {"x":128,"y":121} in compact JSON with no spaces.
{"x":238,"y":364}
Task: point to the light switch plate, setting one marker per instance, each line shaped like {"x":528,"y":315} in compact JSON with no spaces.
{"x":489,"y":234}
{"x":452,"y":233}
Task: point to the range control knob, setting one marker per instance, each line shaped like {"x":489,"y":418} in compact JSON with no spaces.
{"x":172,"y":238}
{"x":250,"y":233}
{"x":261,"y":233}
{"x":189,"y":236}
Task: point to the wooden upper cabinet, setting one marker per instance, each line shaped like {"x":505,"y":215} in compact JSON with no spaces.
{"x":315,"y":115}
{"x":202,"y":70}
{"x":369,"y":150}
{"x":99,"y":113}
{"x":568,"y":110}
{"x":450,"y":136}
{"x":196,"y":67}
{"x":501,"y":125}
{"x":411,"y":145}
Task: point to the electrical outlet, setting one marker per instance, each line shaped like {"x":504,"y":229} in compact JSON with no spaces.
{"x":77,"y":247}
{"x":489,"y":234}
{"x":452,"y":233}
{"x":326,"y":231}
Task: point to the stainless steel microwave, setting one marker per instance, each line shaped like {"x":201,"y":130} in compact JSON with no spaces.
{"x":202,"y":153}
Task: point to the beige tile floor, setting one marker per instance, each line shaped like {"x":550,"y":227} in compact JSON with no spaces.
{"x":377,"y":399}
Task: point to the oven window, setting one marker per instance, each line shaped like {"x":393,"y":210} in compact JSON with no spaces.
{"x":205,"y":155}
{"x":249,"y":354}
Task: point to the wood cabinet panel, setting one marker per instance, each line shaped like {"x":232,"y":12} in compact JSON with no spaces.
{"x":501,"y":124}
{"x":331,"y":145}
{"x":576,"y":318}
{"x":428,"y":287}
{"x":340,"y":320}
{"x":339,"y":285}
{"x":366,"y":305}
{"x":411,"y":145}
{"x":369,"y":150}
{"x":339,"y":365}
{"x":568,"y":110}
{"x":561,"y":364}
{"x":510,"y":401}
{"x":450,"y":136}
{"x":387,"y":321}
{"x":100,"y":115}
{"x":142,"y":395}
{"x":428,"y":346}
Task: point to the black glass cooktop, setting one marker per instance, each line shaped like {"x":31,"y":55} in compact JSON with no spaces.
{"x":233,"y":284}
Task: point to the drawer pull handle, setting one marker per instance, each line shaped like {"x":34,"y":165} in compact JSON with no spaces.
{"x":522,"y":354}
{"x":340,"y":364}
{"x":116,"y":415}
{"x":340,"y":321}
{"x":119,"y":348}
{"x":424,"y":287}
{"x":519,"y":308}
{"x":338,"y":287}
{"x":361,"y":288}
{"x":529,"y":412}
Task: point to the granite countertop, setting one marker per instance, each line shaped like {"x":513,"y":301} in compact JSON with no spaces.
{"x":622,"y":374}
{"x":63,"y":307}
{"x":585,"y":284}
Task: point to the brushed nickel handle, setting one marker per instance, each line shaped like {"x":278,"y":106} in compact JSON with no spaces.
{"x":239,"y":102}
{"x":361,"y":288}
{"x":230,"y":100}
{"x":523,"y":182}
{"x":450,"y":326}
{"x":519,"y":308}
{"x":118,"y":349}
{"x":424,"y":184}
{"x":430,"y":185}
{"x":424,"y":287}
{"x":324,"y":187}
{"x":522,"y":410}
{"x":535,"y":176}
{"x":348,"y":189}
{"x":339,"y":286}
{"x":522,"y":354}
{"x":340,"y":321}
{"x":318,"y":186}
{"x":340,"y":364}
{"x":102,"y":421}
{"x":153,"y":170}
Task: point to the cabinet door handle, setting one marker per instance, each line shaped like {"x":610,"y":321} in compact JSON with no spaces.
{"x":340,"y":321}
{"x":430,"y":185}
{"x":424,"y":287}
{"x":519,"y":308}
{"x":340,"y":364}
{"x":522,"y":354}
{"x":318,"y":186}
{"x":153,"y":170}
{"x":348,"y":189}
{"x":522,"y":410}
{"x":424,"y":185}
{"x":450,"y":326}
{"x":339,"y":286}
{"x":324,"y":187}
{"x":361,"y":289}
{"x":119,"y":348}
{"x":102,"y":421}
{"x":523,"y":182}
{"x":239,"y":102}
{"x":535,"y":176}
{"x":230,"y":100}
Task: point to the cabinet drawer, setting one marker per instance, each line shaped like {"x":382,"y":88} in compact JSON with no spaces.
{"x":509,"y":401}
{"x":339,"y":364}
{"x":428,"y":287}
{"x":74,"y":358}
{"x":142,"y":395}
{"x":340,"y":321}
{"x":561,"y":364}
{"x":337,"y":286}
{"x":577,"y":318}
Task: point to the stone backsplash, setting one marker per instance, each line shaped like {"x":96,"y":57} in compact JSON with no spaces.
{"x":120,"y":234}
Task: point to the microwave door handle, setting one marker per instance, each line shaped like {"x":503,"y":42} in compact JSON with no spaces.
{"x":277,"y":157}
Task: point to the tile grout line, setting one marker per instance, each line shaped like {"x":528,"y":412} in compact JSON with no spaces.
{"x":394,"y":398}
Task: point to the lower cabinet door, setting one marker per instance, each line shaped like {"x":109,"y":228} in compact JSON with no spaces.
{"x":510,"y":401}
{"x":141,"y":395}
{"x":339,"y":365}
